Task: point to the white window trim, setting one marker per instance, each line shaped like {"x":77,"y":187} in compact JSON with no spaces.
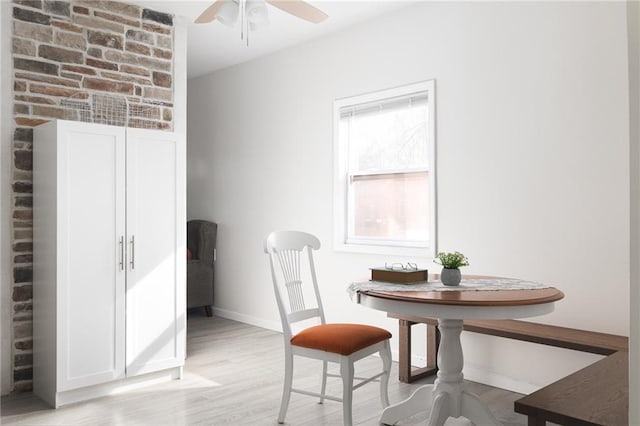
{"x":340,"y":175}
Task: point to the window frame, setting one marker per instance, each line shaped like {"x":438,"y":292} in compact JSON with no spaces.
{"x":342,"y":177}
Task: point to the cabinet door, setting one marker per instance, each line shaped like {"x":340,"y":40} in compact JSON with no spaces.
{"x":156,"y":232}
{"x":91,"y":279}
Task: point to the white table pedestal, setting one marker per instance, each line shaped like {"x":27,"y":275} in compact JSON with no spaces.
{"x":447,"y":397}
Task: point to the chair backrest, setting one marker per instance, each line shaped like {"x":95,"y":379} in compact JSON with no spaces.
{"x":201,"y":239}
{"x":285,"y":250}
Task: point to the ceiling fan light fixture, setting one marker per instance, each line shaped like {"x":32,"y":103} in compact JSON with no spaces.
{"x":257,"y":13}
{"x":228,"y":13}
{"x":254,"y":14}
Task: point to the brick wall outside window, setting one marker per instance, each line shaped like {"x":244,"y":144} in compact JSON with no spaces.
{"x":69,"y":58}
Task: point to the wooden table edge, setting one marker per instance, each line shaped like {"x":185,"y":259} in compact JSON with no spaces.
{"x":473,"y":297}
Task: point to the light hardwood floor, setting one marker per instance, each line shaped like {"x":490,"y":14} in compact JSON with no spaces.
{"x":233,"y":376}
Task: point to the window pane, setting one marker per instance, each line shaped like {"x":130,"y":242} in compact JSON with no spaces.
{"x":390,"y":206}
{"x":389,"y":139}
{"x":385,"y":171}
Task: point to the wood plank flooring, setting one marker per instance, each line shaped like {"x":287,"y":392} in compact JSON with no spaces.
{"x":233,"y":376}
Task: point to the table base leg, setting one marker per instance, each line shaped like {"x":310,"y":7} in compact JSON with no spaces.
{"x":440,"y":411}
{"x":419,"y":401}
{"x":443,"y":405}
{"x":448,"y":396}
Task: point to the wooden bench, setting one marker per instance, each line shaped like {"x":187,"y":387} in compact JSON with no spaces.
{"x":597,"y":394}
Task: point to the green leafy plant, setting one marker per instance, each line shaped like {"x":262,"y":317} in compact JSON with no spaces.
{"x":451,"y":260}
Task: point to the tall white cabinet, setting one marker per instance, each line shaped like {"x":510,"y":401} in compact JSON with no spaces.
{"x":109,"y":290}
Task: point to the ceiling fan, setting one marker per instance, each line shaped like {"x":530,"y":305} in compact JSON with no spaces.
{"x":254,"y":13}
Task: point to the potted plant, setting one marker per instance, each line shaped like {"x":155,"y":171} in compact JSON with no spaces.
{"x":451,"y":263}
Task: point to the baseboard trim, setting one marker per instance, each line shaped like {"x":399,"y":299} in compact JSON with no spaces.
{"x":247,"y":319}
{"x":58,"y":399}
{"x":481,"y":376}
{"x":499,"y":381}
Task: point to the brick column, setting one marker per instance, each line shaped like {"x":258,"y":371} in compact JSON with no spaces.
{"x":67,"y":56}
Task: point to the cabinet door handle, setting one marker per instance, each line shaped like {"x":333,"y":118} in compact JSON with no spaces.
{"x":133,"y":253}
{"x":122,"y":253}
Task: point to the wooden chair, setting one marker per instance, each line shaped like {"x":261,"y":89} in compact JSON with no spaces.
{"x":340,"y":343}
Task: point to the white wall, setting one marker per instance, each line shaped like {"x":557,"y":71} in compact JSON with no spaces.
{"x":633,"y":19}
{"x":532,"y":124}
{"x":6,"y":94}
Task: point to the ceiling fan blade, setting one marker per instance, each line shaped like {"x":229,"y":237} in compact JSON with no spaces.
{"x":210,"y":13}
{"x":300,"y":9}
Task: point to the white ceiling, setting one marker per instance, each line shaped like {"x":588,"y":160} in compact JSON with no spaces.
{"x":214,"y":46}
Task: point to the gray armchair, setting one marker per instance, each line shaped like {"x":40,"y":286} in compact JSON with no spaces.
{"x":201,"y":242}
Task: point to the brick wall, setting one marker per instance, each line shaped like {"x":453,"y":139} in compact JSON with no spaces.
{"x":70,"y":60}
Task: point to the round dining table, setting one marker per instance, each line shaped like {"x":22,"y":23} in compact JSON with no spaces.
{"x":448,"y":396}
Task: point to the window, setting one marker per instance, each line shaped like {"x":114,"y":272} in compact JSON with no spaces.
{"x":385,"y":171}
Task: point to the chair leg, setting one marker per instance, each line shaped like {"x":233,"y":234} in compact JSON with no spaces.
{"x":286,"y":389}
{"x":385,"y":355}
{"x":346,"y":371}
{"x":324,"y":382}
{"x":208,"y":311}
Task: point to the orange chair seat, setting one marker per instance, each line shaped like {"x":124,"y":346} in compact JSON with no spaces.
{"x":343,"y":339}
